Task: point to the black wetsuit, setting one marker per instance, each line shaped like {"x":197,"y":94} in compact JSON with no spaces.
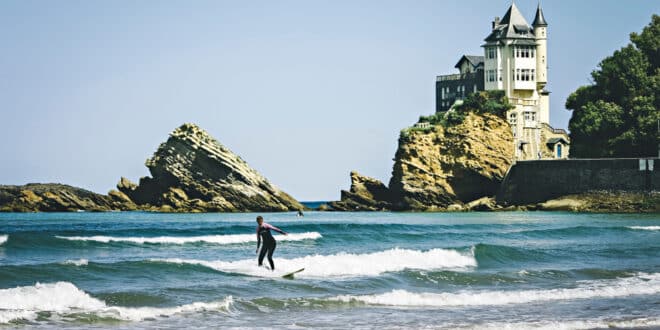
{"x":269,"y":243}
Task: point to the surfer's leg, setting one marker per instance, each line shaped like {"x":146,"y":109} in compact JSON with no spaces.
{"x":262,"y":254}
{"x":271,"y":249}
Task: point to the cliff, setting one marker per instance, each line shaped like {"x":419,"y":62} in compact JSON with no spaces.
{"x":452,"y":164}
{"x":440,"y":167}
{"x":193,"y":172}
{"x":53,"y":197}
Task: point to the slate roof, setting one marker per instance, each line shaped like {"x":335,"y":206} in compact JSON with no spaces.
{"x":539,"y":20}
{"x":475,"y":60}
{"x":512,"y":26}
{"x":553,"y":141}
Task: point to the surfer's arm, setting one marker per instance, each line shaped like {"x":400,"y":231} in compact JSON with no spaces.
{"x":277,"y":230}
{"x":258,"y":240}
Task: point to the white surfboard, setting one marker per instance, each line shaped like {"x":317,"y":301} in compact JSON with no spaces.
{"x":289,"y":276}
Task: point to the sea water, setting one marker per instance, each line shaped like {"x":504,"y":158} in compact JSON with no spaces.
{"x":362,"y":270}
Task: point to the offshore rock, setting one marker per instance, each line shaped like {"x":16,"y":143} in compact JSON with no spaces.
{"x":193,"y":172}
{"x":52,"y":197}
{"x":441,"y":166}
{"x":366,"y":194}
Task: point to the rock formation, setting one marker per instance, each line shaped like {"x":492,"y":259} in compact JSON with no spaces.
{"x":192,"y":172}
{"x":37,"y":197}
{"x":441,"y":167}
{"x":366,"y":194}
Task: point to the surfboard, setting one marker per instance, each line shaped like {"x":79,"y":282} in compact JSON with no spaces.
{"x":289,"y":276}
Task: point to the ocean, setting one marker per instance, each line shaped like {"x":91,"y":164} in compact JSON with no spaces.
{"x":134,"y":270}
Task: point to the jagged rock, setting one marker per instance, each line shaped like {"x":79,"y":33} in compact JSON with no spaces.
{"x":192,"y":171}
{"x":482,"y":204}
{"x":444,"y":165}
{"x":366,"y":194}
{"x":37,"y":197}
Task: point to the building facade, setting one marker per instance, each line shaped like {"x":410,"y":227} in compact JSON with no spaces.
{"x":516,"y":61}
{"x":453,"y":87}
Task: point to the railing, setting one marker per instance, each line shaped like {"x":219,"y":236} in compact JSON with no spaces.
{"x":457,"y":76}
{"x":555,"y":130}
{"x":525,"y":102}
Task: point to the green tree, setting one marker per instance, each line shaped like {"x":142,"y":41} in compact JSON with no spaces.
{"x":617,"y":115}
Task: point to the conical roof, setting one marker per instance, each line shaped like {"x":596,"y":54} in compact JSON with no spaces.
{"x":539,"y":20}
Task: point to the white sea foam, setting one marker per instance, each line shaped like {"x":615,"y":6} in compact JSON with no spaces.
{"x":641,"y":284}
{"x":79,"y":262}
{"x":568,"y":325}
{"x":346,"y":264}
{"x":3,"y":239}
{"x":65,"y":298}
{"x":212,"y":239}
{"x":645,"y":227}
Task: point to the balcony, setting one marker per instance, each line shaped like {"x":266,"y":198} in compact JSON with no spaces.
{"x":458,"y":76}
{"x":523,"y":102}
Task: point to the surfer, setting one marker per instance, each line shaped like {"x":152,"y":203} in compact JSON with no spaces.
{"x":263,"y":233}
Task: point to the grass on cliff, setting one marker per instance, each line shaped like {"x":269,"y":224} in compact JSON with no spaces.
{"x":493,"y":102}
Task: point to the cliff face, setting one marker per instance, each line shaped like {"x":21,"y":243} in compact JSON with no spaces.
{"x":440,"y":168}
{"x":446,"y":165}
{"x":192,"y":171}
{"x":36,"y":197}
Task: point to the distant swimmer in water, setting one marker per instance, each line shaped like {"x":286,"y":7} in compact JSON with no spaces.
{"x":300,"y":214}
{"x":263,"y":233}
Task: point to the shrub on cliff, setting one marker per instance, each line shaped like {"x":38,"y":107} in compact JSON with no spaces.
{"x":617,"y":116}
{"x":493,"y":102}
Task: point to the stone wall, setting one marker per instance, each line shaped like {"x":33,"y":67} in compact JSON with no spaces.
{"x":541,"y":180}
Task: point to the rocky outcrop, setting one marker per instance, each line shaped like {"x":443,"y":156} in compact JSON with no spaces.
{"x":37,"y":197}
{"x":193,"y":172}
{"x":366,"y":194}
{"x":441,"y":166}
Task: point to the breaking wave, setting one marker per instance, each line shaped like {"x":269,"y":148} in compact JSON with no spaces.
{"x":642,"y":284}
{"x":3,"y":239}
{"x":211,"y":239}
{"x":645,"y":227}
{"x":79,"y":262}
{"x":345,"y":264}
{"x":64,"y":298}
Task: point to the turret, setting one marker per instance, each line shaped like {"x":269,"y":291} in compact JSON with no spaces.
{"x":541,"y":34}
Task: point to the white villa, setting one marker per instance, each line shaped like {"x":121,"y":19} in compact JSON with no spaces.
{"x":516,"y":61}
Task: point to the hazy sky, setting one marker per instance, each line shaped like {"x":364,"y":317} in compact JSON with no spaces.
{"x":304,"y":91}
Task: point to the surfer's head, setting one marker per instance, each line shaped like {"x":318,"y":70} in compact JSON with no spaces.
{"x":260,"y":220}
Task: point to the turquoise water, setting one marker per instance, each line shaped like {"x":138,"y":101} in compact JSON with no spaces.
{"x":363,"y":270}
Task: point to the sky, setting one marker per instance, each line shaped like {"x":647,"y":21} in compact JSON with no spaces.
{"x":304,"y":91}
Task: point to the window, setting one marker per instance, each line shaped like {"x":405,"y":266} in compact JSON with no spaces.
{"x":525,"y":51}
{"x":491,"y":52}
{"x":525,"y":74}
{"x":490,"y":76}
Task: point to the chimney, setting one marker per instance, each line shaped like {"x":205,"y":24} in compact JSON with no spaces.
{"x":496,"y":22}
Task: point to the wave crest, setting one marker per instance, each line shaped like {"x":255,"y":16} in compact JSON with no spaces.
{"x":645,"y":227}
{"x":211,"y":239}
{"x":345,"y":264}
{"x":642,"y":284}
{"x":3,"y":239}
{"x":65,"y":298}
